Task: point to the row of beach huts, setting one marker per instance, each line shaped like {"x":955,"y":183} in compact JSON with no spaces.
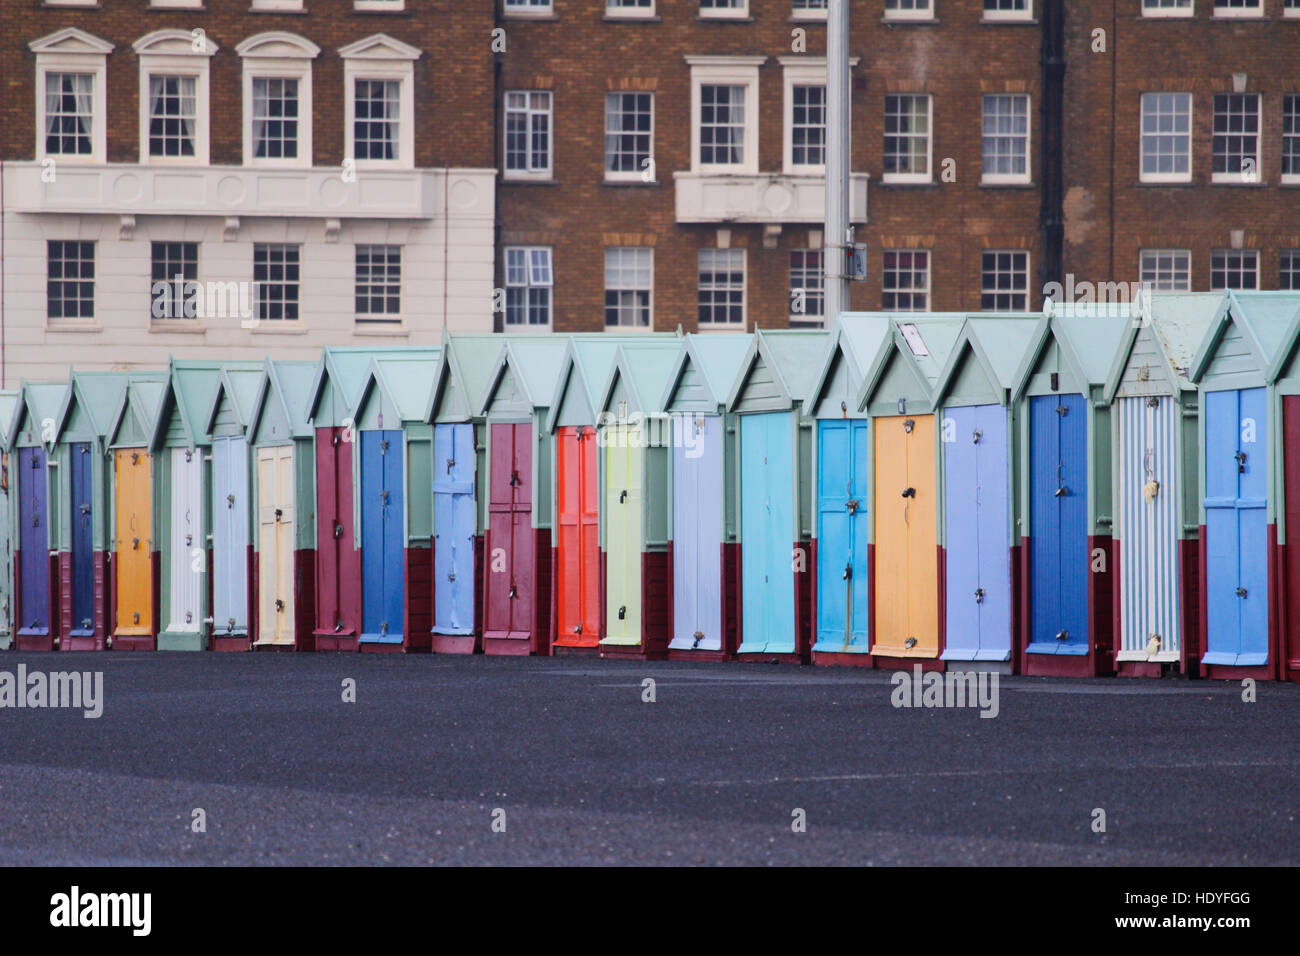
{"x":1091,"y":490}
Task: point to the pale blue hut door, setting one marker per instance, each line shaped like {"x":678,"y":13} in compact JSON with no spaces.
{"x":697,"y":533}
{"x":453,"y":548}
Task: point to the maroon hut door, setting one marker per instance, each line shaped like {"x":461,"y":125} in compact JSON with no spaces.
{"x":510,"y":586}
{"x":1291,"y":469}
{"x":338,"y":565}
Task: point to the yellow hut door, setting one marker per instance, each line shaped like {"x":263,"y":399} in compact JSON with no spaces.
{"x":133,"y":542}
{"x":906,"y":554}
{"x":275,"y":545}
{"x":623,"y":534}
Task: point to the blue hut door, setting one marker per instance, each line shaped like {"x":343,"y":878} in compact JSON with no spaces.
{"x":767,"y":533}
{"x":1236,"y":532}
{"x":1058,"y":523}
{"x":453,"y":524}
{"x":383,"y":588}
{"x":697,"y":533}
{"x":843,"y":529}
{"x":83,"y":542}
{"x":1148,"y":525}
{"x":34,"y":547}
{"x":230,"y":518}
{"x":976,"y":534}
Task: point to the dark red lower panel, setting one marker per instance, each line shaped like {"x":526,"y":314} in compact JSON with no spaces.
{"x":941,"y":590}
{"x":67,"y":642}
{"x":731,"y":597}
{"x":304,"y":599}
{"x":418,"y":623}
{"x":1016,"y":606}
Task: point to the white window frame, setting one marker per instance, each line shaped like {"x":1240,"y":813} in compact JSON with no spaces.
{"x":371,"y":319}
{"x":277,"y":56}
{"x":1008,"y":16}
{"x":276,"y":6}
{"x":630,"y":13}
{"x":1011,"y":179}
{"x":524,"y":327}
{"x":379,"y":6}
{"x":726,"y":71}
{"x":1231,"y":178}
{"x":806,"y":319}
{"x":1169,"y":12}
{"x":171,"y":4}
{"x":525,"y":9}
{"x":1292,"y":11}
{"x":624,"y":176}
{"x":1174,"y":253}
{"x":1291,"y":178}
{"x":171,"y":53}
{"x":535,"y":175}
{"x":74,"y":51}
{"x":798,"y":71}
{"x":649,"y":253}
{"x":1228,"y":13}
{"x":724,"y":13}
{"x":744,"y":293}
{"x":911,"y":15}
{"x":1143,"y":175}
{"x":380,"y":57}
{"x":928,"y":175}
{"x":816,"y":14}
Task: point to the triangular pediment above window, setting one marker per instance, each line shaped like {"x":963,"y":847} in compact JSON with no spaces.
{"x":71,"y":40}
{"x":278,"y":44}
{"x":174,"y":43}
{"x":379,"y":47}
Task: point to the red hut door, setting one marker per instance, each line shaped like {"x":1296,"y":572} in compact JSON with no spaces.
{"x":510,"y":582}
{"x":338,"y":564}
{"x":578,"y":560}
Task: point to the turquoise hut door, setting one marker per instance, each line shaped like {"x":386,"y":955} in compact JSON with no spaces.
{"x":453,"y":539}
{"x":697,"y":533}
{"x":1236,"y":532}
{"x":843,"y":532}
{"x":767,"y":533}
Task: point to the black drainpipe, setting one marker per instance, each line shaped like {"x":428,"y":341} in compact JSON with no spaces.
{"x":1052,"y":214}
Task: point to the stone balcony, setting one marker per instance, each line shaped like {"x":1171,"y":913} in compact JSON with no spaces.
{"x":761,"y":198}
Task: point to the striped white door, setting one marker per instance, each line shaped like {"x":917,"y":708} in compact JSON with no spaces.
{"x":1148,"y":527}
{"x":187,"y":568}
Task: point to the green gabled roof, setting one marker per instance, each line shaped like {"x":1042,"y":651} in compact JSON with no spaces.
{"x":1269,"y":320}
{"x":142,"y":398}
{"x":241,"y":383}
{"x":403,"y":377}
{"x":938,"y":332}
{"x":99,"y":394}
{"x":470,"y":360}
{"x":1178,"y":322}
{"x":535,"y":361}
{"x":191,"y":390}
{"x":37,"y":400}
{"x":999,"y":344}
{"x":861,"y":336}
{"x":344,"y":367}
{"x":1089,"y":335}
{"x":795,"y":356}
{"x":288,"y":383}
{"x":718,"y":356}
{"x":644,"y":367}
{"x":8,"y":402}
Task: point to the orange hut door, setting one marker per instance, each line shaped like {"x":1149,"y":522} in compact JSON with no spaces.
{"x":133,"y":542}
{"x":578,"y":544}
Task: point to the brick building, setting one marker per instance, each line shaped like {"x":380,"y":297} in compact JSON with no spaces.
{"x":314,"y":173}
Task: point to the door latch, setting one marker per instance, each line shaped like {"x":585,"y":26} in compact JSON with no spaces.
{"x":910,"y":643}
{"x":513,"y":592}
{"x":1241,"y":462}
{"x":189,"y":617}
{"x":622,"y":496}
{"x":979,"y":595}
{"x":383,"y":496}
{"x":514,"y":478}
{"x":622,"y":612}
{"x":909,"y":492}
{"x":85,"y":509}
{"x":189,"y":540}
{"x":578,"y":629}
{"x":338,"y":530}
{"x":279,"y":513}
{"x":230,"y":625}
{"x":136,"y":618}
{"x":1241,"y":592}
{"x":1062,"y":635}
{"x":451,"y":463}
{"x":699,"y":636}
{"x":976,"y":436}
{"x":1061,"y":492}
{"x":852,"y":505}
{"x":383,"y":447}
{"x":383,"y":627}
{"x":848,"y":571}
{"x":1062,"y":410}
{"x":135,"y":544}
{"x":230,"y":501}
{"x":451,"y":575}
{"x":36,"y":521}
{"x":279,"y":604}
{"x":908,"y":426}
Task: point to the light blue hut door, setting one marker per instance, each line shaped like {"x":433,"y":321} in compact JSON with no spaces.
{"x":767,"y":533}
{"x":1236,"y":532}
{"x":697,"y":533}
{"x":230,"y":520}
{"x":976,"y":534}
{"x":843,"y":529}
{"x":1058,"y":520}
{"x":453,"y":524}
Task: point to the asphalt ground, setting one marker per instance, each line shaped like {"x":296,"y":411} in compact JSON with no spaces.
{"x":573,"y":767}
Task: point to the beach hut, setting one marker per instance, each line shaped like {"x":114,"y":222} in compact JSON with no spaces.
{"x":579,"y":588}
{"x":1154,"y":483}
{"x":519,"y":506}
{"x":335,"y":388}
{"x":227,"y":423}
{"x":459,"y":469}
{"x":705,"y":529}
{"x":394,"y":478}
{"x":1285,"y":379}
{"x":979,"y":546}
{"x":1065,"y":515}
{"x":898,"y":396}
{"x":842,"y":540}
{"x":281,"y":443}
{"x":32,"y":429}
{"x":134,"y":559}
{"x":634,"y":435}
{"x":8,"y":402}
{"x":81,"y":487}
{"x":774,"y":490}
{"x":1246,"y":353}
